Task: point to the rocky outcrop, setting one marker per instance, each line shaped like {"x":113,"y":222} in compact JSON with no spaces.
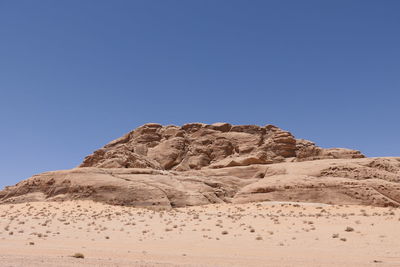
{"x":198,"y":145}
{"x":365,"y":181}
{"x":334,"y":181}
{"x":307,"y":150}
{"x":196,"y":164}
{"x":133,"y":187}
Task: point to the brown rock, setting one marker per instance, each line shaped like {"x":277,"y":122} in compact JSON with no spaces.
{"x":220,"y":126}
{"x":307,"y":150}
{"x":337,"y":181}
{"x":199,"y":145}
{"x":196,"y":164}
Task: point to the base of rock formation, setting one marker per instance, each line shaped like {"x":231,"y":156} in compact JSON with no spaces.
{"x":366,"y":181}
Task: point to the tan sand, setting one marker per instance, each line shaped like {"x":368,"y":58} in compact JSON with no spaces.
{"x":256,"y":234}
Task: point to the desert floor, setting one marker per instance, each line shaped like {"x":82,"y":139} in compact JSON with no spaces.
{"x":256,"y":234}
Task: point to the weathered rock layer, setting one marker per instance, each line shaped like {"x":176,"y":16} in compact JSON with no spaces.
{"x":197,"y":145}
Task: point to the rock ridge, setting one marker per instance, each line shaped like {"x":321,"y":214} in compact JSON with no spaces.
{"x":199,"y":145}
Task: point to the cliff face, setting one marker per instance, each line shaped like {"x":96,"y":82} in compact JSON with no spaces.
{"x":197,"y":146}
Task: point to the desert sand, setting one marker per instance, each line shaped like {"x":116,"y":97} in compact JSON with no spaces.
{"x":253,"y":234}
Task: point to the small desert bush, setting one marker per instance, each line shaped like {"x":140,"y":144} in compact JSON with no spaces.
{"x":78,"y":255}
{"x":349,"y":229}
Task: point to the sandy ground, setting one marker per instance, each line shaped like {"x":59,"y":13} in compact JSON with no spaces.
{"x":257,"y":234}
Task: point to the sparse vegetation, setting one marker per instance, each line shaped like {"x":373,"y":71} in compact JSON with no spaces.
{"x":78,"y":255}
{"x":237,"y":222}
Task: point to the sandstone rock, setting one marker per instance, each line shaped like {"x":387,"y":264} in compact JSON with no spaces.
{"x":334,"y":181}
{"x":120,"y":186}
{"x":122,"y":157}
{"x":199,"y":145}
{"x":196,"y":164}
{"x":220,"y":126}
{"x":307,"y":150}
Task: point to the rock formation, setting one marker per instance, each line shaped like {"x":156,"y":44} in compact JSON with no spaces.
{"x":198,"y":145}
{"x":196,"y":164}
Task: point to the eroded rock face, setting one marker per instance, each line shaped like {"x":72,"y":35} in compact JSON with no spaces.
{"x":307,"y":150}
{"x":334,"y":181}
{"x":133,"y":187}
{"x":197,"y":164}
{"x":198,"y":145}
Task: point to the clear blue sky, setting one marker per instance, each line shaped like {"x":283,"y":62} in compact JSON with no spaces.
{"x":76,"y":74}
